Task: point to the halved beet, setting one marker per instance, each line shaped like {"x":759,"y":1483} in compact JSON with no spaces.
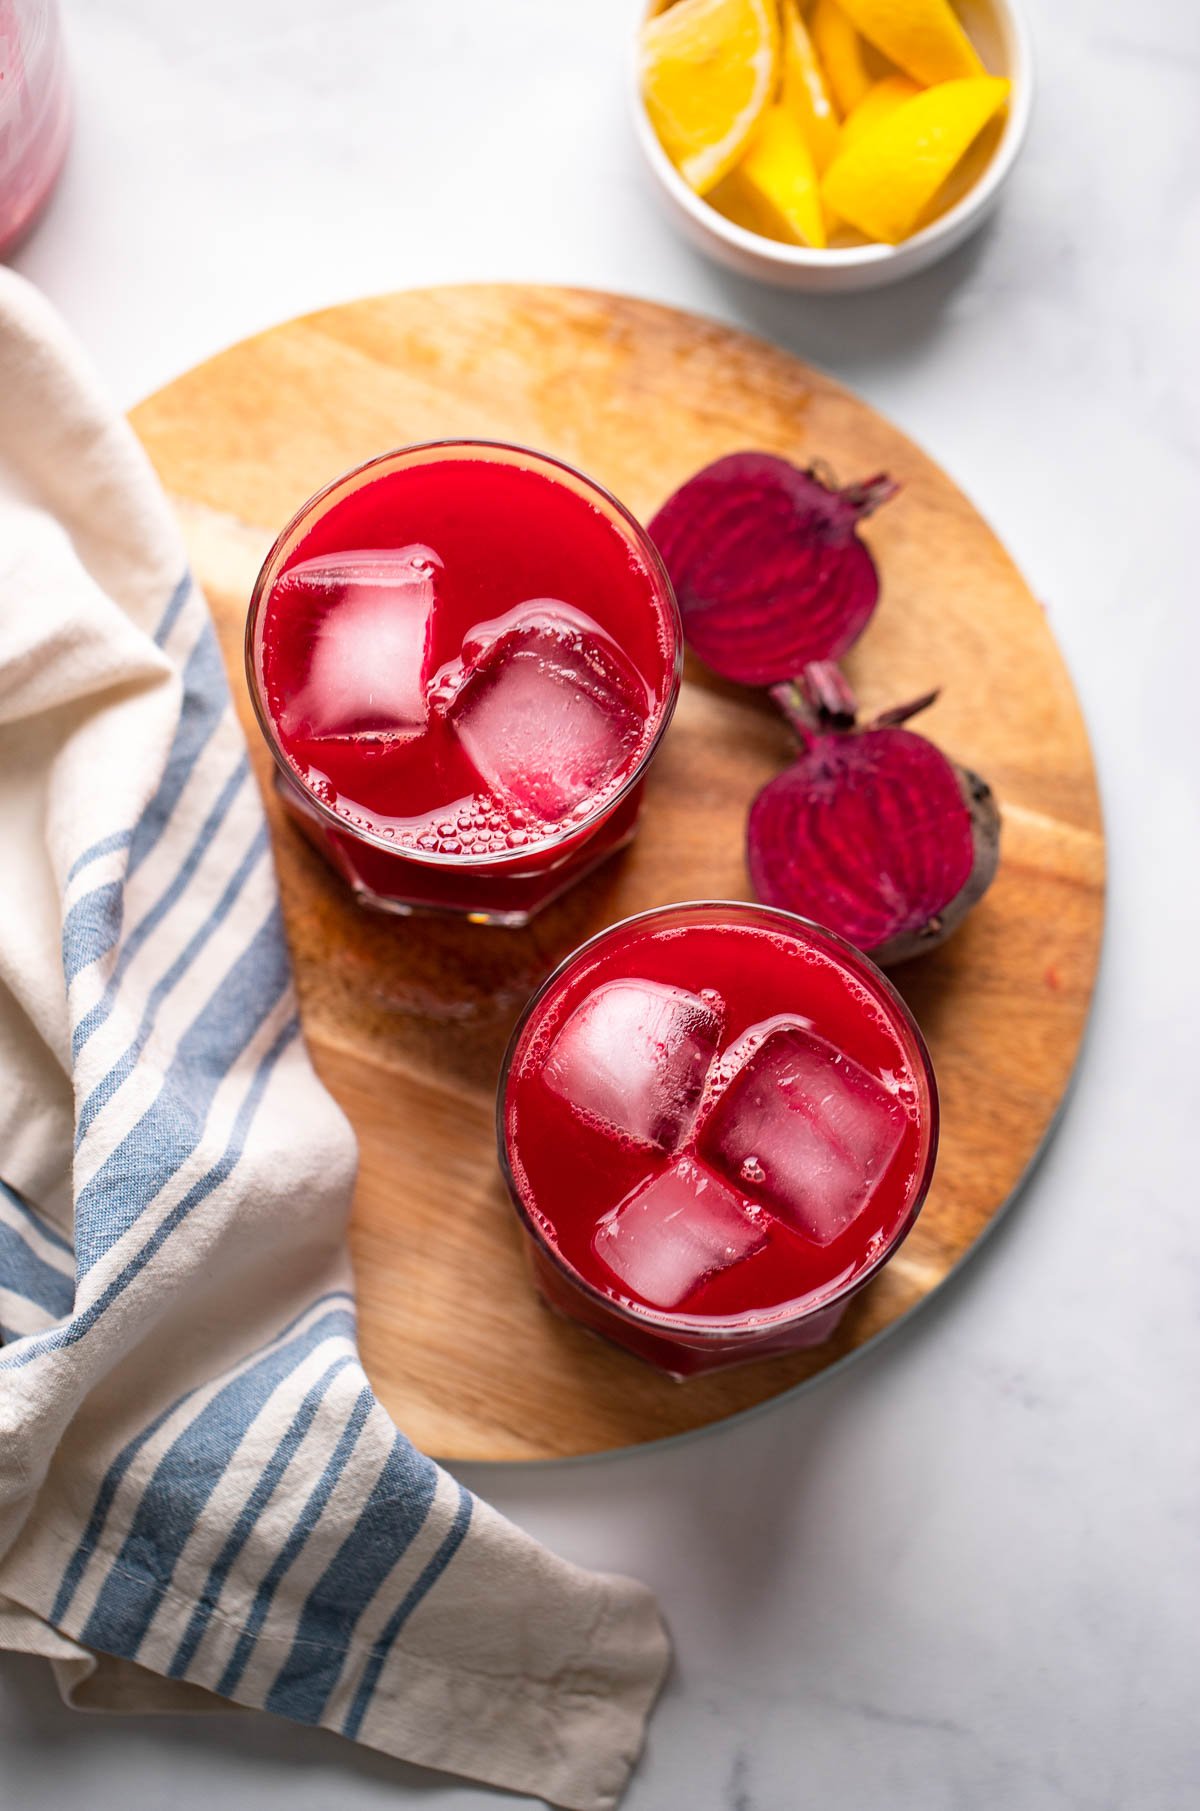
{"x":873,"y":832}
{"x":767,"y":565}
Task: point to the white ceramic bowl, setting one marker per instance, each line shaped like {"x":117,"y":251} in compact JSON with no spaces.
{"x":998,"y":30}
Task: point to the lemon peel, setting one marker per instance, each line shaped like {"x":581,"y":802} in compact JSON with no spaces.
{"x":709,"y":70}
{"x":775,"y":190}
{"x":804,"y":90}
{"x":841,"y":52}
{"x":884,"y":183}
{"x":922,"y":37}
{"x":876,"y":104}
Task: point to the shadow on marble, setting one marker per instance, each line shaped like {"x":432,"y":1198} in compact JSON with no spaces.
{"x":34,"y":1719}
{"x":853,"y":334}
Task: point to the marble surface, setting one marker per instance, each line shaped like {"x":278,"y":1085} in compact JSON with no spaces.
{"x":963,"y":1572}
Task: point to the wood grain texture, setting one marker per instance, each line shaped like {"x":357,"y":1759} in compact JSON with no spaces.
{"x":407,"y":1019}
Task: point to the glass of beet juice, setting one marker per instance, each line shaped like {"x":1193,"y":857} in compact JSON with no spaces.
{"x":462,"y":657}
{"x":717,"y":1122}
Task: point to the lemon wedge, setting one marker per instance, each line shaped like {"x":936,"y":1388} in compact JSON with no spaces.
{"x":709,"y":69}
{"x":775,"y":190}
{"x":804,"y":92}
{"x":922,"y":37}
{"x":884,"y":182}
{"x":876,"y":104}
{"x":841,"y":52}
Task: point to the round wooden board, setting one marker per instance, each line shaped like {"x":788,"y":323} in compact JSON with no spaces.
{"x":407,"y":1019}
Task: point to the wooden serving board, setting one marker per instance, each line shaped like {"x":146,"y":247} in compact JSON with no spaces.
{"x":407,"y":1019}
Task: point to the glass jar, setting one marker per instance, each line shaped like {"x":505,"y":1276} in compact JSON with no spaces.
{"x":502,"y":508}
{"x":35,"y":113}
{"x":717,"y":1122}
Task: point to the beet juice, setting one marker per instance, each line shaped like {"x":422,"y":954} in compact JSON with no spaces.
{"x":463,"y":656}
{"x":35,"y":114}
{"x":717,"y":1122}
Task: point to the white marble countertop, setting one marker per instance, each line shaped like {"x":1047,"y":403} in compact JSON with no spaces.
{"x":962,"y":1573}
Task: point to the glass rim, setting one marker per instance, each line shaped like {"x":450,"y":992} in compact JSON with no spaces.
{"x":697,"y":1330}
{"x":663,"y":589}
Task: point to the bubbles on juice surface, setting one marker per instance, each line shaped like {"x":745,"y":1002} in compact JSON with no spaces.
{"x":810,"y":1129}
{"x":473,"y":825}
{"x":633,"y":1058}
{"x":359,"y":626}
{"x":546,"y":709}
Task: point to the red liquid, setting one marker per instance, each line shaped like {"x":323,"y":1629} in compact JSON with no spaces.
{"x":34,"y":114}
{"x":793,"y":1028}
{"x":463,"y":656}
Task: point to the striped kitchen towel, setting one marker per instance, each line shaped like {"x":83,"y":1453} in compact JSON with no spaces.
{"x":199,"y":1493}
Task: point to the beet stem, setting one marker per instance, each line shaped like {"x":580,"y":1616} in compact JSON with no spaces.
{"x":870,"y":495}
{"x":900,"y":713}
{"x":828,"y":691}
{"x":796,"y":710}
{"x":818,"y":701}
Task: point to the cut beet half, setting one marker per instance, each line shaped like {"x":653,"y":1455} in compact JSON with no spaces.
{"x":873,"y":832}
{"x":767,"y":564}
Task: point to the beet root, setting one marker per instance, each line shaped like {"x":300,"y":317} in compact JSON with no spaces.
{"x":873,"y":831}
{"x":767,"y":564}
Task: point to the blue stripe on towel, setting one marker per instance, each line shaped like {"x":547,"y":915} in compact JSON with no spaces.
{"x":205,"y":696}
{"x":247,"y":1520}
{"x":171,"y":614}
{"x":156,"y":1148}
{"x":303,"y":1526}
{"x":92,"y":927}
{"x":389,"y":1521}
{"x":28,"y":1275}
{"x":416,"y":1593}
{"x":39,"y":1224}
{"x":183,"y":1483}
{"x":82,"y":1322}
{"x":128,"y":1453}
{"x":93,"y":924}
{"x":104,"y":1090}
{"x":151,"y":920}
{"x":108,"y":845}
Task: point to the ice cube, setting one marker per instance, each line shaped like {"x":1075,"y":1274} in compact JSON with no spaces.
{"x":633,"y":1058}
{"x":546,"y":709}
{"x":674,"y":1231}
{"x":805,"y":1129}
{"x":370,"y":613}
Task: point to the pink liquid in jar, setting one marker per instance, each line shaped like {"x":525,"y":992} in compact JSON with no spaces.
{"x":463,"y":657}
{"x":717,"y":1122}
{"x":34,"y":113}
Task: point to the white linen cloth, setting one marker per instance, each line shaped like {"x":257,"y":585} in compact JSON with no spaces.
{"x":199,"y":1492}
